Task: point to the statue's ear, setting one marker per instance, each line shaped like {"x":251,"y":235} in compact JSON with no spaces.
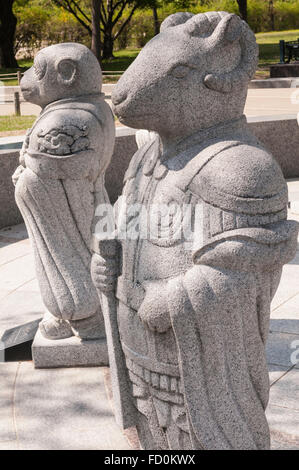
{"x":66,"y":71}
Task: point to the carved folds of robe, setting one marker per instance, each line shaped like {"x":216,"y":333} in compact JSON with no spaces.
{"x":65,"y":155}
{"x":203,"y":383}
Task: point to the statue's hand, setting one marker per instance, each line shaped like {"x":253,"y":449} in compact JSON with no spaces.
{"x":15,"y":177}
{"x":104,"y":272}
{"x":154,"y":310}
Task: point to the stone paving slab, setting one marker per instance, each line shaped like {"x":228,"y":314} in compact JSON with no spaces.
{"x":285,"y":392}
{"x":16,"y":232}
{"x":65,"y":409}
{"x":12,"y":251}
{"x":21,"y":306}
{"x":17,"y":272}
{"x":284,"y":426}
{"x":289,"y":285}
{"x":8,"y":373}
{"x":20,"y":313}
{"x":280,"y":347}
{"x":276,"y":372}
{"x":265,"y":101}
{"x":285,"y":319}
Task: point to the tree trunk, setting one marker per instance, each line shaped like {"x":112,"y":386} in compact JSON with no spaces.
{"x":271,"y":14}
{"x":156,"y":21}
{"x":108,"y":45}
{"x":243,"y":9}
{"x":7,"y":34}
{"x":96,"y":45}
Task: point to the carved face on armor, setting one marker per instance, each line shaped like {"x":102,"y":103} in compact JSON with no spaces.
{"x":59,"y":71}
{"x":184,"y":72}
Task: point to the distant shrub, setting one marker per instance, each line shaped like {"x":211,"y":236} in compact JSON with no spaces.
{"x":286,"y":16}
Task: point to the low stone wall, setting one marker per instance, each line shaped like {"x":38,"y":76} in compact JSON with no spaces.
{"x":125,"y":147}
{"x":284,"y":82}
{"x":279,"y":134}
{"x":284,"y":70}
{"x":9,"y":212}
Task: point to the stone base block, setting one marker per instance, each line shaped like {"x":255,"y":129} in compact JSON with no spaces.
{"x":284,"y":70}
{"x":70,"y":352}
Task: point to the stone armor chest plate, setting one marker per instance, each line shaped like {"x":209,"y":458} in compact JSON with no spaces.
{"x":152,"y":190}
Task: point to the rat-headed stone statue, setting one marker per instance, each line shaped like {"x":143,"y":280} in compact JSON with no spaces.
{"x":193,"y":313}
{"x":59,"y":181}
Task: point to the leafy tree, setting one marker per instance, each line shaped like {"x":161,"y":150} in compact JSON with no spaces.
{"x":40,"y":23}
{"x":8,"y":23}
{"x":106,"y":18}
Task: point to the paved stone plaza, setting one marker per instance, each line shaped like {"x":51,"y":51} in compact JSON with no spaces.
{"x":260,"y":102}
{"x":70,"y":408}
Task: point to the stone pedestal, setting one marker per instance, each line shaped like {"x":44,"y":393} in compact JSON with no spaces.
{"x":70,"y":352}
{"x":284,"y":70}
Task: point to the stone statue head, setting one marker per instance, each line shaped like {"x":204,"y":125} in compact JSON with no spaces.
{"x":192,"y":75}
{"x":61,"y":71}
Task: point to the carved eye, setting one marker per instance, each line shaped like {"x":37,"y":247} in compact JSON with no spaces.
{"x":180,"y":71}
{"x":40,"y":66}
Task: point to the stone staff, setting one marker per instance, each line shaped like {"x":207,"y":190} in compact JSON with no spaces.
{"x":106,"y":249}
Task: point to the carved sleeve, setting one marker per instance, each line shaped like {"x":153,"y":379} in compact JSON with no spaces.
{"x":63,"y":140}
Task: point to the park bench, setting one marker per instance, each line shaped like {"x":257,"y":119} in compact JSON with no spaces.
{"x":289,"y":49}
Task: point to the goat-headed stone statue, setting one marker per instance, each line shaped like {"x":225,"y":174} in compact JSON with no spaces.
{"x":193,"y":317}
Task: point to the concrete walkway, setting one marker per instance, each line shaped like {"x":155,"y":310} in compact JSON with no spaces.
{"x":70,"y":408}
{"x":260,"y":102}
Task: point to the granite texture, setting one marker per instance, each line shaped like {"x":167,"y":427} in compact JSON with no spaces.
{"x":70,"y":352}
{"x":9,"y":212}
{"x":194,"y":306}
{"x":281,"y":137}
{"x":60,"y":181}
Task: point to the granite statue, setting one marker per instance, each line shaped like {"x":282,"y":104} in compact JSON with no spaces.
{"x":59,"y":182}
{"x":193,"y":293}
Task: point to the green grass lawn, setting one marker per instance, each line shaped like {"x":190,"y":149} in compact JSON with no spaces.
{"x":269,"y":48}
{"x":16,"y":123}
{"x":121,"y":61}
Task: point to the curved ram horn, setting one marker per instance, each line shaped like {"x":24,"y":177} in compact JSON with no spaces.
{"x":230,"y":29}
{"x":175,"y":20}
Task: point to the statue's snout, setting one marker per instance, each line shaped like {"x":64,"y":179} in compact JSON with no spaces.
{"x":118,"y":95}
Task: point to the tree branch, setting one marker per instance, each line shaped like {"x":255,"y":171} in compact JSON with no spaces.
{"x":125,"y":22}
{"x":66,"y":4}
{"x":119,"y":14}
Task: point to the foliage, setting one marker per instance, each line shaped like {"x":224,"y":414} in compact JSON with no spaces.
{"x":40,"y":23}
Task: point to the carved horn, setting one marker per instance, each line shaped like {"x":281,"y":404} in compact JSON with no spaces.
{"x":175,"y":19}
{"x":230,"y":29}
